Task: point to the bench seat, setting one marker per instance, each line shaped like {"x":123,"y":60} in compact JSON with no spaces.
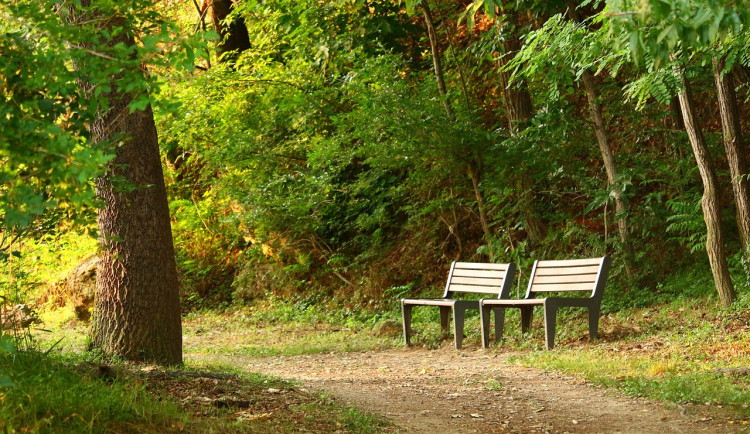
{"x":464,"y":277}
{"x":567,"y":276}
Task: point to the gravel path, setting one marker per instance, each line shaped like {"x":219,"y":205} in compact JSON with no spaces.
{"x":475,"y":391}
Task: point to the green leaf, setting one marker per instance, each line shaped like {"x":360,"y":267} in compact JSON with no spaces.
{"x":6,"y":382}
{"x":6,"y":345}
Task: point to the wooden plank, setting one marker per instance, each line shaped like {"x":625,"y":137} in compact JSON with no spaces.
{"x":481,"y":266}
{"x":554,"y":287}
{"x":475,"y":288}
{"x":564,"y":271}
{"x":590,"y":278}
{"x":429,"y":301}
{"x":476,"y":281}
{"x":515,"y":302}
{"x":570,"y":262}
{"x":479,"y":273}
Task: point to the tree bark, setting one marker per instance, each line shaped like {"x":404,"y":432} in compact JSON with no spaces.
{"x":602,"y":138}
{"x":734,"y":147}
{"x":137,"y":297}
{"x":710,"y":201}
{"x":234,"y":37}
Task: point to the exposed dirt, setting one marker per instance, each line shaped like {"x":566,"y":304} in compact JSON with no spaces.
{"x":473,"y":390}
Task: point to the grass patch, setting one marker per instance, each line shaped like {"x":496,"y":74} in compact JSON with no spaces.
{"x":676,"y":353}
{"x":50,"y":395}
{"x":277,"y":327}
{"x":40,"y":393}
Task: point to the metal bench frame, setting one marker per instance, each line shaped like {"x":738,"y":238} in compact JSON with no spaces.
{"x":464,"y":277}
{"x":575,"y":275}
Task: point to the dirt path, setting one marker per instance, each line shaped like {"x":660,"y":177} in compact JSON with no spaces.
{"x":469,"y":391}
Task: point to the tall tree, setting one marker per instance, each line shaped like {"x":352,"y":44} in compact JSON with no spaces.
{"x":685,"y":26}
{"x":137,"y":298}
{"x":734,"y":146}
{"x":608,"y":157}
{"x":474,"y":167}
{"x":710,"y":203}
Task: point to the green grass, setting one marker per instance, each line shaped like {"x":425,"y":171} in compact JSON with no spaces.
{"x":67,"y":394}
{"x":50,"y":395}
{"x":673,"y":353}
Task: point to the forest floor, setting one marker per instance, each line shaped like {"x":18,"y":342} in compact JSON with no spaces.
{"x":473,"y":390}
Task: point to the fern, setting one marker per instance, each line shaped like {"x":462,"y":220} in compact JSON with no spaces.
{"x":686,"y":223}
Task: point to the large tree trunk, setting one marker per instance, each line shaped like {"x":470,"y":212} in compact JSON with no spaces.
{"x":602,"y":138}
{"x":137,"y":298}
{"x":234,"y":36}
{"x":519,"y":109}
{"x":710,"y":202}
{"x":734,"y":147}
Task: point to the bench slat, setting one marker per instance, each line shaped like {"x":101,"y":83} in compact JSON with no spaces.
{"x":474,"y":288}
{"x":554,"y":287}
{"x":570,"y":262}
{"x":479,"y":273}
{"x":476,"y":281}
{"x":429,"y":301}
{"x":553,"y":271}
{"x":480,"y":266}
{"x":589,"y":278}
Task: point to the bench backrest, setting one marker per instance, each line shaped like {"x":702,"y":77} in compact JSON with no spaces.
{"x":480,"y":278}
{"x":581,"y":275}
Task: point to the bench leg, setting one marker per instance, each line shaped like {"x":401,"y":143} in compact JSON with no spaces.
{"x":594,"y":322}
{"x":484,"y":319}
{"x":458,"y":325}
{"x":445,"y":317}
{"x":406,"y":317}
{"x":499,"y":323}
{"x":550,"y":319}
{"x":527,"y":313}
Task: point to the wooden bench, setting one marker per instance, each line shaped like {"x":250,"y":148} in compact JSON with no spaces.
{"x":464,"y":277}
{"x":576,"y":275}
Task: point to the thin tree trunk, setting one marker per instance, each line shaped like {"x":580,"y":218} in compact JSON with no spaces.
{"x":734,"y":147}
{"x":473,"y":172}
{"x":602,"y":138}
{"x":710,"y":201}
{"x":137,"y":295}
{"x":436,"y":62}
{"x":474,"y":175}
